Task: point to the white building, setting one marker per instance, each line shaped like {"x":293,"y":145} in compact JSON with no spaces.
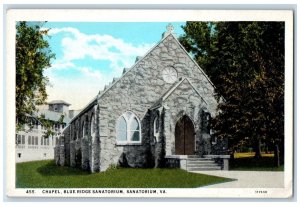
{"x":31,"y":144}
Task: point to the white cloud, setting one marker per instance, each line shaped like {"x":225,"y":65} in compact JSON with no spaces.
{"x":90,"y":73}
{"x":62,"y":65}
{"x":76,"y":45}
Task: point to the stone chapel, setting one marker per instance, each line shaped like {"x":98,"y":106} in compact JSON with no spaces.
{"x":156,"y":114}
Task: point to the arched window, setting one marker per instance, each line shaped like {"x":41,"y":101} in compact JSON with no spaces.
{"x":92,"y":125}
{"x":128,"y":128}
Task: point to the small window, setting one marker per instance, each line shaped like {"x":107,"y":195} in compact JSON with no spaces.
{"x":19,"y":155}
{"x":18,"y":139}
{"x":169,"y":75}
{"x":29,"y":140}
{"x":23,"y":139}
{"x":128,"y":129}
{"x":45,"y":155}
{"x":42,"y":140}
{"x":36,"y":141}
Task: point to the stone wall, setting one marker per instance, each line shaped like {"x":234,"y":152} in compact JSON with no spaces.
{"x":72,"y":154}
{"x":59,"y":151}
{"x":56,"y":154}
{"x":138,"y":90}
{"x":184,"y":100}
{"x":85,"y":162}
{"x":81,"y":146}
{"x":67,"y":146}
{"x":131,"y":155}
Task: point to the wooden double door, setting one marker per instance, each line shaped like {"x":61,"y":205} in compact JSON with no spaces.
{"x":184,"y":136}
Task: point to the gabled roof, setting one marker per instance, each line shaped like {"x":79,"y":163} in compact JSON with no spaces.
{"x":165,"y":96}
{"x":126,"y":70}
{"x":139,"y":59}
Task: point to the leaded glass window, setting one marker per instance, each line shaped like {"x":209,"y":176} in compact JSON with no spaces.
{"x":128,"y":128}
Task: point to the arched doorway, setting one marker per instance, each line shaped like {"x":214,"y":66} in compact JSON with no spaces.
{"x":184,"y":136}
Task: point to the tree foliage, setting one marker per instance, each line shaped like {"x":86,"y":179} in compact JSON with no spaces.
{"x":245,"y":61}
{"x":33,"y":56}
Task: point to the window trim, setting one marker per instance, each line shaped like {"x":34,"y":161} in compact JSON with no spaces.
{"x":128,"y":129}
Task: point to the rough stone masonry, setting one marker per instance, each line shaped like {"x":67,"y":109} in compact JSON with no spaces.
{"x":136,"y":120}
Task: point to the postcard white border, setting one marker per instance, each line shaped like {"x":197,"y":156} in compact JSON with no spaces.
{"x":146,"y":15}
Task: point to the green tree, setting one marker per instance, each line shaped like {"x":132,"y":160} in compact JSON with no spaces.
{"x":245,"y":61}
{"x":33,"y":56}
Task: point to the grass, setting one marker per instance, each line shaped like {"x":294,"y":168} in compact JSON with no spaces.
{"x":246,"y":162}
{"x":251,"y":154}
{"x":45,"y":174}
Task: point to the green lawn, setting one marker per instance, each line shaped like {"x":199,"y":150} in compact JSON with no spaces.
{"x":45,"y":174}
{"x":251,"y":154}
{"x":248,"y":163}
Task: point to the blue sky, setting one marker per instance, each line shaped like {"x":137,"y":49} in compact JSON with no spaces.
{"x":90,"y":54}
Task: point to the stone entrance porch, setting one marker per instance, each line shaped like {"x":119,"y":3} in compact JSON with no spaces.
{"x":197,"y":163}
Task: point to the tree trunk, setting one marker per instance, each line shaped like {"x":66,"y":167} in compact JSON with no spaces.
{"x":257,"y":149}
{"x":276,"y":156}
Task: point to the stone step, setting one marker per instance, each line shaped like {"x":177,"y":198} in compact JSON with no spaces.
{"x":200,"y":159}
{"x":196,"y":163}
{"x":199,"y":168}
{"x":202,"y":164}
